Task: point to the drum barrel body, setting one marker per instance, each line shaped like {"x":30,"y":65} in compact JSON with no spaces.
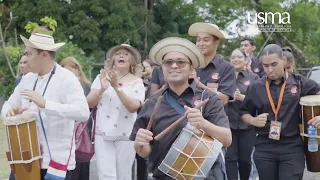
{"x":191,"y":156}
{"x":312,"y":158}
{"x":24,"y":153}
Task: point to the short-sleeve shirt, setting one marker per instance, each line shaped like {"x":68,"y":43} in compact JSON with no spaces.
{"x":157,"y":76}
{"x":113,"y":121}
{"x":166,"y":115}
{"x":221,"y":72}
{"x":244,"y":79}
{"x":257,"y":102}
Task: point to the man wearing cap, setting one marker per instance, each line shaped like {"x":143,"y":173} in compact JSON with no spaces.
{"x":218,"y":74}
{"x":57,"y":94}
{"x":178,"y":57}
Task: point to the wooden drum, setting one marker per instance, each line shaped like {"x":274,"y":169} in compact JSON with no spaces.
{"x":310,"y":107}
{"x":191,"y":156}
{"x":24,"y":150}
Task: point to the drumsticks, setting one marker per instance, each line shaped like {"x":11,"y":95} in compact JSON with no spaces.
{"x":153,"y":115}
{"x":176,"y":123}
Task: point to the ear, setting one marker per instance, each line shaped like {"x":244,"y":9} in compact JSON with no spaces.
{"x":45,"y":54}
{"x":217,"y":42}
{"x":253,"y":48}
{"x":284,"y":58}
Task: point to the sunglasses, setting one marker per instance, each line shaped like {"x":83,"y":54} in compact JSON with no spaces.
{"x":179,"y":63}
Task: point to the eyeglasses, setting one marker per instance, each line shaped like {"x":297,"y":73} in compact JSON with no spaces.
{"x":179,"y":63}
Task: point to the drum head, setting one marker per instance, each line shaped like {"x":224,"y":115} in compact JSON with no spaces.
{"x":311,"y":100}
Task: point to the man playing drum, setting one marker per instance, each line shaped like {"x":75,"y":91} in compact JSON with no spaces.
{"x":178,"y":57}
{"x":272,"y":106}
{"x":57,"y":94}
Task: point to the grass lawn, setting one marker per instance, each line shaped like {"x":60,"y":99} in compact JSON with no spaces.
{"x":4,"y":167}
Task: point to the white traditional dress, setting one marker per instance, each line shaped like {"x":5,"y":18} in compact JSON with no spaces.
{"x":114,"y":151}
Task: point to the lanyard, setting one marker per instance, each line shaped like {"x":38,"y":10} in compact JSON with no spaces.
{"x":276,"y":111}
{"x":51,"y":74}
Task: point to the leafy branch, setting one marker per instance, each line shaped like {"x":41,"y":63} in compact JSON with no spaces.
{"x":4,"y":47}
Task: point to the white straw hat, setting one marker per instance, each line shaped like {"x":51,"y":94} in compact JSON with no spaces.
{"x":176,"y":44}
{"x":209,"y":28}
{"x":41,"y":41}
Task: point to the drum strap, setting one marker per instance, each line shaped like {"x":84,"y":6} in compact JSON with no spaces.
{"x":174,"y":104}
{"x":45,"y":136}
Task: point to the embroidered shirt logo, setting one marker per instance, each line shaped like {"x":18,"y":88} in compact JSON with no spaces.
{"x":196,"y":100}
{"x":215,"y":76}
{"x":293,"y":90}
{"x":247,"y":83}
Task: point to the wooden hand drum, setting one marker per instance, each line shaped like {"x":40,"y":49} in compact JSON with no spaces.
{"x":191,"y":156}
{"x":24,"y":150}
{"x":310,"y":107}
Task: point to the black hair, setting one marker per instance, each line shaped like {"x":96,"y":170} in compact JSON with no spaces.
{"x":287,"y":52}
{"x":251,"y":41}
{"x":51,"y":53}
{"x":272,"y":49}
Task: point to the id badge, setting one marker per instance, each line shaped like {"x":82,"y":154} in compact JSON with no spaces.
{"x":213,"y":86}
{"x":275,"y":129}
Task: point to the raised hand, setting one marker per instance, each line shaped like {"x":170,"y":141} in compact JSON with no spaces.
{"x":104,"y":79}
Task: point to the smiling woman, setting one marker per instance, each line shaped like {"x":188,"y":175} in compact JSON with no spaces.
{"x":118,"y":94}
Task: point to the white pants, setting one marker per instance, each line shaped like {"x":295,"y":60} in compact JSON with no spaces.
{"x":114,"y":159}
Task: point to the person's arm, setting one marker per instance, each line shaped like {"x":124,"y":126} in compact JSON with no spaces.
{"x":94,"y":97}
{"x":248,"y":108}
{"x":227,"y":84}
{"x":14,"y":101}
{"x":143,"y":151}
{"x":74,"y":105}
{"x":222,"y":134}
{"x":97,"y":90}
{"x":140,"y":125}
{"x":213,"y":120}
{"x":308,"y":86}
{"x":133,"y":102}
{"x":156,"y":88}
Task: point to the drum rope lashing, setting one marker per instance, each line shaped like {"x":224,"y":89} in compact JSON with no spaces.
{"x":30,"y":141}
{"x":19,"y":141}
{"x":22,"y":161}
{"x":9,"y":143}
{"x":194,"y":149}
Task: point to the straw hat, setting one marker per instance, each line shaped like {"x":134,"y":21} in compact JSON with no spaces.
{"x":41,"y":41}
{"x":209,"y":28}
{"x":176,"y":44}
{"x":134,"y":51}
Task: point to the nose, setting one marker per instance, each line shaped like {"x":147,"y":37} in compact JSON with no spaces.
{"x":174,"y":65}
{"x":270,"y":69}
{"x":200,"y":43}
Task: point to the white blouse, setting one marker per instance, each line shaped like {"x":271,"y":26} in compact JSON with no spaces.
{"x":114,"y":121}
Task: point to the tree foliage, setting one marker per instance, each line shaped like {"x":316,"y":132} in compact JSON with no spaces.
{"x":90,"y":28}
